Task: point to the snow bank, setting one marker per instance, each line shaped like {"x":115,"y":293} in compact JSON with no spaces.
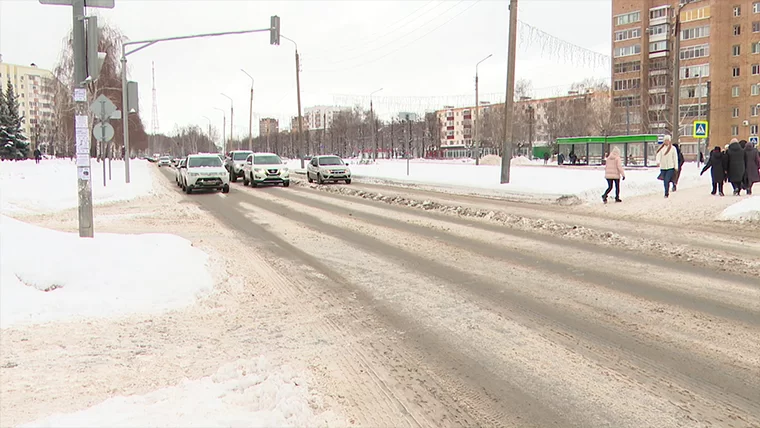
{"x":51,"y":185}
{"x":109,"y":275}
{"x":746,"y":210}
{"x":242,"y":394}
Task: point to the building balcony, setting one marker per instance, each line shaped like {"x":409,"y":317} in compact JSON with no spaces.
{"x":658,"y":37}
{"x":659,"y":54}
{"x":658,"y":72}
{"x":658,"y":107}
{"x":658,"y":90}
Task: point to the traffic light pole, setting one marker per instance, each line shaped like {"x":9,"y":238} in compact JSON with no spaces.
{"x":142,"y":44}
{"x":84,"y":173}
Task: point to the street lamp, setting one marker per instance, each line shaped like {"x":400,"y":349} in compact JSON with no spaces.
{"x":477,"y":111}
{"x":224,"y":125}
{"x":232,"y":117}
{"x":298,"y":92}
{"x":250,"y":114}
{"x":372,"y":119}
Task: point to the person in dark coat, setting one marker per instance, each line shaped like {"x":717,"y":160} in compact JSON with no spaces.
{"x":37,"y":155}
{"x":718,"y":163}
{"x":681,"y":161}
{"x":752,"y":173}
{"x":737,"y":165}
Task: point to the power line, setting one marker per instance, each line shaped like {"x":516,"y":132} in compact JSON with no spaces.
{"x":407,"y":44}
{"x":365,"y":53}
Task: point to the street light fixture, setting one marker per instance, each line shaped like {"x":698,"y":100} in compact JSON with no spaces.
{"x":232,"y":118}
{"x":250,"y":114}
{"x":224,"y":125}
{"x":477,"y":111}
{"x":372,"y":120}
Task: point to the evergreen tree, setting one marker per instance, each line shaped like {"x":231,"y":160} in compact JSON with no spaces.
{"x":17,"y":141}
{"x":6,"y":146}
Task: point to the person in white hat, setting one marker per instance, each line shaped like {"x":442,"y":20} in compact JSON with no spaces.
{"x":667,"y":159}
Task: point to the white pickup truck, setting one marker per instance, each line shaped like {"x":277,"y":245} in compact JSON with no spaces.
{"x":204,"y":172}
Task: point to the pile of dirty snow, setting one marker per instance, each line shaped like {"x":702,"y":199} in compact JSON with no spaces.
{"x":241,"y":394}
{"x":746,"y":210}
{"x":47,"y":275}
{"x":491,"y":160}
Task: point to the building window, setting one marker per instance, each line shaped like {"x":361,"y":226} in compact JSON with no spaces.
{"x":632,"y":101}
{"x":698,"y":51}
{"x":737,"y":30}
{"x":756,"y":48}
{"x":694,"y":71}
{"x":658,"y":64}
{"x":660,"y":12}
{"x":756,"y":27}
{"x":755,"y":69}
{"x":756,"y":7}
{"x":696,"y":14}
{"x":627,"y":51}
{"x":737,"y":11}
{"x":735,"y":91}
{"x":734,"y":130}
{"x":736,"y":71}
{"x":627,"y":67}
{"x":753,"y":130}
{"x":633,"y":33}
{"x":753,"y":109}
{"x":736,"y":50}
{"x":659,"y":29}
{"x":699,"y":91}
{"x":755,"y":89}
{"x":660,"y":81}
{"x":692,"y":110}
{"x":625,"y":84}
{"x":695,"y":33}
{"x":735,"y":112}
{"x":658,"y":46}
{"x":628,"y":18}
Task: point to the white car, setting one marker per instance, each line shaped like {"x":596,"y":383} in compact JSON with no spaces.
{"x":164,"y":161}
{"x":178,"y":171}
{"x":204,"y":172}
{"x":328,"y":168}
{"x":265,"y":168}
{"x":235,"y":161}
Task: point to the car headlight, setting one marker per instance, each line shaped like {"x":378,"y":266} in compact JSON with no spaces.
{"x":258,"y":170}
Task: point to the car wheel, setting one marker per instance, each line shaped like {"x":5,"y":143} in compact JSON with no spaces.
{"x":188,"y":189}
{"x":233,"y":177}
{"x":245,"y":179}
{"x":254,"y":184}
{"x":308,"y":177}
{"x":286,"y":184}
{"x":226,"y":188}
{"x":319,"y":179}
{"x":348,"y":181}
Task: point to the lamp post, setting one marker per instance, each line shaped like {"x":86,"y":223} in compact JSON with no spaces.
{"x":477,"y":111}
{"x":209,"y":128}
{"x":250,"y":114}
{"x":298,"y":92}
{"x":676,"y":127}
{"x":232,"y":118}
{"x":224,"y":125}
{"x":372,"y":120}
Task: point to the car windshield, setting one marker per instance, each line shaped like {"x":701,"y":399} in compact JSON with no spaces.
{"x":211,"y":161}
{"x":267,"y":160}
{"x":165,"y":158}
{"x":240,"y":156}
{"x":330,"y":161}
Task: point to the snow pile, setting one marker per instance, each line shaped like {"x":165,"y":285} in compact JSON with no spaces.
{"x":492,"y":160}
{"x":746,"y":210}
{"x":51,"y":185}
{"x":47,"y":275}
{"x":242,"y":394}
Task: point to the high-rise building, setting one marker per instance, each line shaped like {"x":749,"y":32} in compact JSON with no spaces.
{"x":719,"y":47}
{"x":319,"y":117}
{"x":33,"y":87}
{"x":268,"y":126}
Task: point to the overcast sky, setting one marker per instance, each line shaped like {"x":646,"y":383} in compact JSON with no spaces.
{"x":419,"y":52}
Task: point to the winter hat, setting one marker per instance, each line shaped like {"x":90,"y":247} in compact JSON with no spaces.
{"x":734,"y":140}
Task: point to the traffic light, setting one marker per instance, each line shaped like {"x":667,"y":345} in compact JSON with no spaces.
{"x":95,"y":59}
{"x":274,"y":30}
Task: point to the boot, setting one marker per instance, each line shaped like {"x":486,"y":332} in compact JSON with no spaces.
{"x":618,"y":200}
{"x":604,"y":199}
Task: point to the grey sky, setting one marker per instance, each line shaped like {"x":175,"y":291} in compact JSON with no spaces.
{"x":347,"y":47}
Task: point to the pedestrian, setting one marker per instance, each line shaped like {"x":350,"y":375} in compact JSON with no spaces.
{"x":752,"y":170}
{"x":546,"y":157}
{"x":667,"y":158}
{"x":681,"y":161}
{"x":37,"y":155}
{"x":613,"y":172}
{"x":737,"y":165}
{"x":718,"y":163}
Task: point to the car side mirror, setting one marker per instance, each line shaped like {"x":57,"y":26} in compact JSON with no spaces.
{"x":346,"y":163}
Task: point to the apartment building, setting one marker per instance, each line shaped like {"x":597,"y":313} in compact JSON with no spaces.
{"x":720,"y":46}
{"x":32,"y":86}
{"x":320,"y":117}
{"x":269,"y":126}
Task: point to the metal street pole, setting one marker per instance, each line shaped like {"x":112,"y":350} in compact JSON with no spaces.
{"x":372,"y":119}
{"x":250,"y":115}
{"x":477,"y":112}
{"x":676,"y":75}
{"x":224,"y":127}
{"x":298,"y":91}
{"x":506,"y":148}
{"x":232,"y":119}
{"x":628,"y":117}
{"x":209,"y":128}
{"x":699,"y":112}
{"x":408,"y":144}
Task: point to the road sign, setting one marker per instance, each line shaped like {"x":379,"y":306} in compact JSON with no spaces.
{"x":108,"y":4}
{"x":701,"y":128}
{"x":103,"y":132}
{"x":102,"y":107}
{"x":753,"y":140}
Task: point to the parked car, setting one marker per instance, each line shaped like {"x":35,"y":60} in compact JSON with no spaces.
{"x":178,"y":172}
{"x":164,"y":161}
{"x":204,"y":172}
{"x":328,"y":168}
{"x":235,"y":161}
{"x":265,"y":168}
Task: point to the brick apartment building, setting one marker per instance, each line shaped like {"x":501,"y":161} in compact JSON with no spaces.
{"x":268,"y":126}
{"x":32,"y":86}
{"x":720,"y":44}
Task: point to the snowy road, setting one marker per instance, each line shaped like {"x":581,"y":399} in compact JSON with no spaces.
{"x":463,"y":322}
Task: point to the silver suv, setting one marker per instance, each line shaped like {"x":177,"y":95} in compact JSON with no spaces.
{"x":235,"y":161}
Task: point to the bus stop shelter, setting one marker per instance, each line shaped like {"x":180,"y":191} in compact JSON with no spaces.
{"x":635,"y":150}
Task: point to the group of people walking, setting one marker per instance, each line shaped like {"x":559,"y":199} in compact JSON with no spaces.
{"x":738,"y":163}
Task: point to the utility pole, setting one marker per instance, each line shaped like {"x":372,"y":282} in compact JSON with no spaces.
{"x":224,"y":127}
{"x":408,"y":144}
{"x":232,"y":118}
{"x":250,"y":115}
{"x":709,"y":96}
{"x":477,"y":113}
{"x":699,"y":113}
{"x":372,"y":121}
{"x":676,"y":75}
{"x":531,"y":118}
{"x":628,"y":117}
{"x":84,"y":184}
{"x":392,"y":153}
{"x":506,"y":148}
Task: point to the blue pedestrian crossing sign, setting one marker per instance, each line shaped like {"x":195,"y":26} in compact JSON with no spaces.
{"x":701,"y":128}
{"x":753,"y":140}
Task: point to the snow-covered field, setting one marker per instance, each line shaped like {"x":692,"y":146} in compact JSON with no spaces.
{"x":48,"y":275}
{"x":29,"y":188}
{"x":241,"y":394}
